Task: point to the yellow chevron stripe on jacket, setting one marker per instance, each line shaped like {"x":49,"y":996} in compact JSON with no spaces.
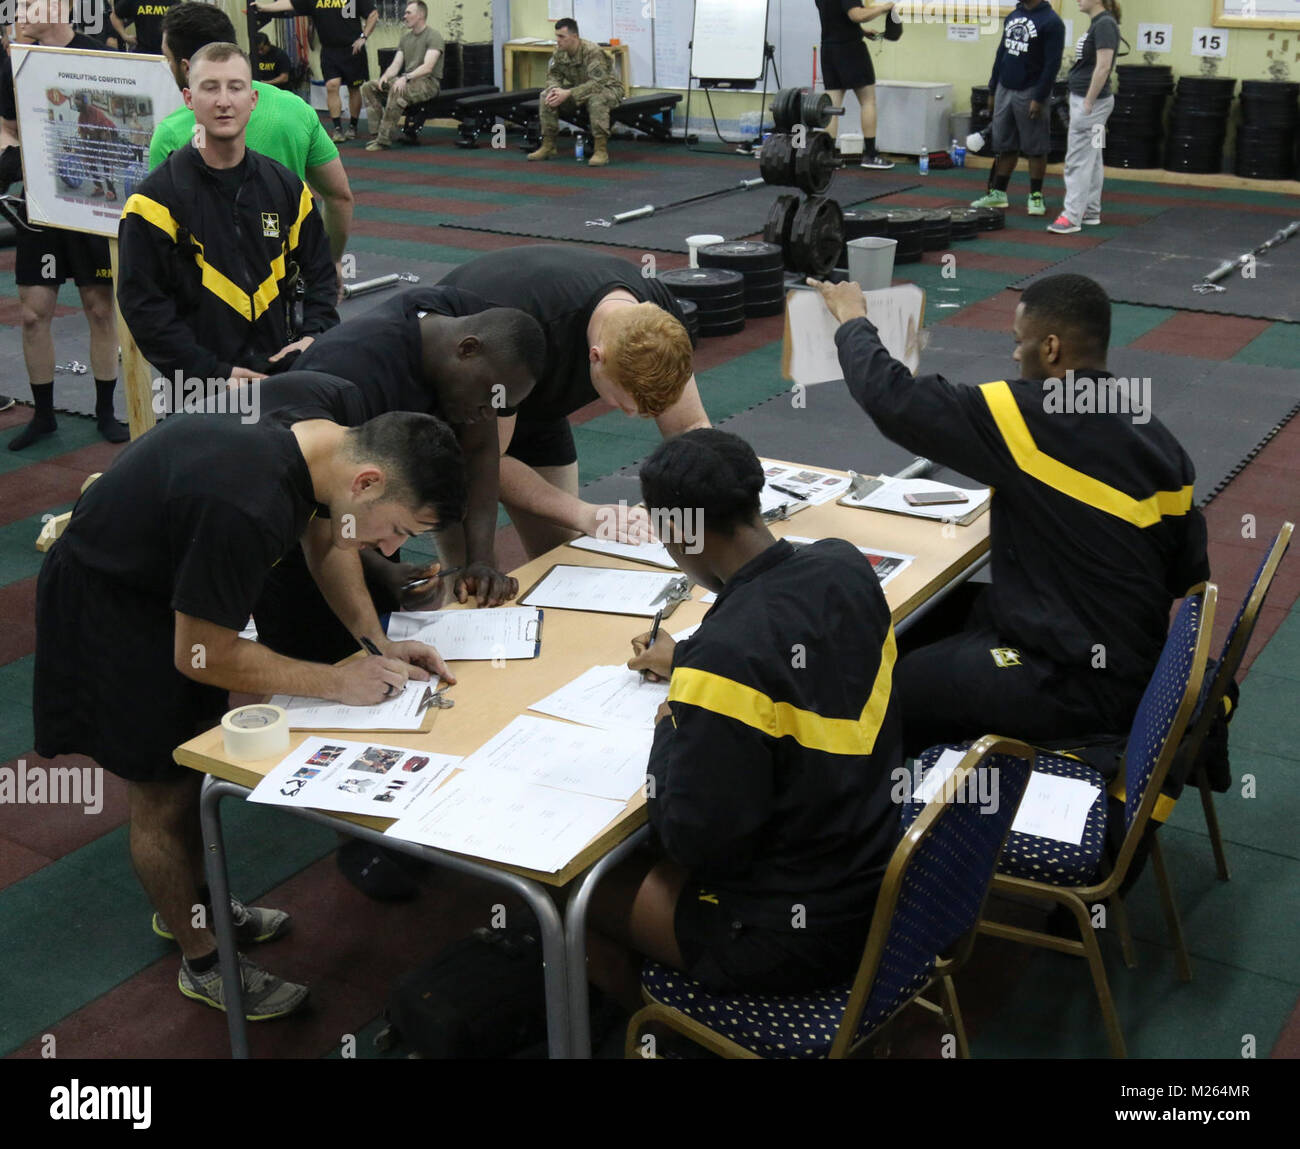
{"x":1075,"y":484}
{"x":732,"y":699}
{"x":217,"y":282}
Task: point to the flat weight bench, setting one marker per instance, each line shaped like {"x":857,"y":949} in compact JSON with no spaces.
{"x":442,"y":106}
{"x":651,"y":114}
{"x":478,"y":114}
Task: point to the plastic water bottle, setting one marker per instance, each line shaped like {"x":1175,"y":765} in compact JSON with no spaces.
{"x":580,"y":148}
{"x":925,"y":163}
{"x":952,"y":151}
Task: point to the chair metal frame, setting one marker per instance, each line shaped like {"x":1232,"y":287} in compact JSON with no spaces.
{"x":1078,"y":899}
{"x":1233,"y":652}
{"x":847,"y":1043}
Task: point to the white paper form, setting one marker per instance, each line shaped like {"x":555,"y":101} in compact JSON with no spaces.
{"x":401,"y":712}
{"x":603,"y":763}
{"x":469,"y":635}
{"x":601,"y":589}
{"x":353,"y":777}
{"x":810,"y":355}
{"x":656,"y":554}
{"x":607,"y":697}
{"x":938,"y":774}
{"x":805,"y":482}
{"x":1055,"y":808}
{"x":887,"y":564}
{"x":890,"y":497}
{"x":506,"y":819}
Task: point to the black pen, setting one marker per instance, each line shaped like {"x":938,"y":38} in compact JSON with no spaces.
{"x":654,"y":633}
{"x":371,"y":648}
{"x":787,"y":491}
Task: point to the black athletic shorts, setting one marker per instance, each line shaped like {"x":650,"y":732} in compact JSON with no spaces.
{"x":847,"y":66}
{"x":105,"y":683}
{"x":729,"y":956}
{"x":548,"y":443}
{"x":352,"y":68}
{"x":82,"y":258}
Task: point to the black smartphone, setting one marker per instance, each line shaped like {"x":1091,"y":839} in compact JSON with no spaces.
{"x":935,"y":498}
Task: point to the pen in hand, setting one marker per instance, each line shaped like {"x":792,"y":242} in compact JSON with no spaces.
{"x":654,"y":633}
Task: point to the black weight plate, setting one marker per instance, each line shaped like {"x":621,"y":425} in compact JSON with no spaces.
{"x":780,"y":217}
{"x":814,"y":111}
{"x":776,"y":160}
{"x":817,"y":236}
{"x":744,"y":255}
{"x":786,"y":108}
{"x":765,"y":281}
{"x":689,"y":308}
{"x":815,"y":163}
{"x":872,"y":221}
{"x":757,"y":310}
{"x":905,"y":216}
{"x":723,"y":329}
{"x":991,"y":218}
{"x":734,"y":309}
{"x":710,"y":307}
{"x":702,"y":283}
{"x":776,"y":291}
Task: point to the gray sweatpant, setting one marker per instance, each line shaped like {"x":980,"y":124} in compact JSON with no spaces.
{"x":1084,"y":167}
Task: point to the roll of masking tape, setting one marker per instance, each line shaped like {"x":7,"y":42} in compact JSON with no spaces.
{"x":255,"y":731}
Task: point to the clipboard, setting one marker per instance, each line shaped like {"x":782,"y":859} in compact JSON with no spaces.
{"x":675,"y":589}
{"x":860,"y":486}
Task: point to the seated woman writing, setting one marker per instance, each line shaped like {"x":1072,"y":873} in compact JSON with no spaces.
{"x":773,"y":758}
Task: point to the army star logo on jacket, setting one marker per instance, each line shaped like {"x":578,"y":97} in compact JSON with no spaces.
{"x":270,"y":225}
{"x":1004,"y":656}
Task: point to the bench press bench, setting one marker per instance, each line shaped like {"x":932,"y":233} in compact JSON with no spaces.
{"x":651,"y":114}
{"x":442,"y":106}
{"x":479,"y":113}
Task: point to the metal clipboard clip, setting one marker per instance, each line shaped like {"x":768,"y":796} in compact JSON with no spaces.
{"x":860,"y":486}
{"x":675,"y":591}
{"x":436,"y":699}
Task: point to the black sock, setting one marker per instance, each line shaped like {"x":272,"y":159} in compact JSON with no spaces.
{"x":869,"y":146}
{"x":109,"y":425}
{"x":203,"y":964}
{"x":336,"y":122}
{"x":43,"y":422}
{"x":1001,"y":183}
{"x":1035,"y":187}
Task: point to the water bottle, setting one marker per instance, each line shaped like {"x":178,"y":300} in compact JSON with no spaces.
{"x":925,"y":163}
{"x":952,"y":151}
{"x":959,"y":159}
{"x":580,"y":148}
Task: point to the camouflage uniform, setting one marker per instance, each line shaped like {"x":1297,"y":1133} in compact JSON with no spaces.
{"x":590,"y":77}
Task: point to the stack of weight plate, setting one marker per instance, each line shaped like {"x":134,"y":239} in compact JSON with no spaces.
{"x":1266,"y":140}
{"x":1137,"y":124}
{"x":990,"y":218}
{"x":907,"y":225}
{"x":718,"y":293}
{"x":1198,"y":124}
{"x":762,"y":266}
{"x":981,"y":120}
{"x":964,"y":223}
{"x":1059,"y":119}
{"x":938,"y":229}
{"x":692,"y":315}
{"x":857,"y":224}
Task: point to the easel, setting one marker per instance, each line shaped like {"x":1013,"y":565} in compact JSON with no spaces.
{"x":724,"y":54}
{"x":708,"y":85}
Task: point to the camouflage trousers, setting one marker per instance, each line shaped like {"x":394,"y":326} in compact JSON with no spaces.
{"x":599,"y":106}
{"x":384,"y":110}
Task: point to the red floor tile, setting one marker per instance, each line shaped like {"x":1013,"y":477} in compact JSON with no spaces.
{"x":52,"y":830}
{"x":18,"y":610}
{"x":1202,"y":335}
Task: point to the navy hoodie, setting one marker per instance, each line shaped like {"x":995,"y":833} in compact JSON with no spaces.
{"x":1029,"y":55}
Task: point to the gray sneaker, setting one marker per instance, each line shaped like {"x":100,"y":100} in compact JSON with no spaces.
{"x":6,"y":401}
{"x":350,"y":132}
{"x":265,"y":995}
{"x":252,"y":924}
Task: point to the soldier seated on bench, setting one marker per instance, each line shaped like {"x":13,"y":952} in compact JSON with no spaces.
{"x":578,"y":73}
{"x":415,"y":75}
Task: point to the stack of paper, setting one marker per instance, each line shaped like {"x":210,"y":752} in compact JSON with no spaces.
{"x":656,"y":554}
{"x":601,"y":589}
{"x":890,"y":496}
{"x":608,"y":697}
{"x":464,"y":635}
{"x":804,"y":483}
{"x":403,"y":711}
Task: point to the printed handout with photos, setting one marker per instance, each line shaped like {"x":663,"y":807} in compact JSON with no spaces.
{"x":353,"y":777}
{"x":85,"y":119}
{"x":886,"y":564}
{"x":805,"y":483}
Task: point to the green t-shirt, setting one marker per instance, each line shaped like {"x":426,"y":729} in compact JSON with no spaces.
{"x":413,"y":46}
{"x":282,"y":126}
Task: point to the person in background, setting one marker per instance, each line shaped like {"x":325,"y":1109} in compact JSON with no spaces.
{"x":847,"y":66}
{"x":415,"y":75}
{"x":146,"y":18}
{"x":578,"y":73}
{"x":1091,"y":104}
{"x":1020,"y":93}
{"x":270,"y":64}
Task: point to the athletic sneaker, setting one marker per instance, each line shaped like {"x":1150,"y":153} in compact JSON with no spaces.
{"x":1063,"y":226}
{"x":876,"y":163}
{"x":377,"y":145}
{"x":993,"y":199}
{"x":265,"y":995}
{"x":1037,"y":205}
{"x":1092,"y":221}
{"x":350,"y":132}
{"x":7,"y":401}
{"x":337,"y":135}
{"x":252,"y":924}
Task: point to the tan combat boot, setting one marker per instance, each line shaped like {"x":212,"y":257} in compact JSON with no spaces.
{"x":546,"y":151}
{"x":600,"y":155}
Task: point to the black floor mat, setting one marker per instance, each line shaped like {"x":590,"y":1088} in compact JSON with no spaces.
{"x":1222,"y":413}
{"x":737,"y":214}
{"x":1158,"y":263}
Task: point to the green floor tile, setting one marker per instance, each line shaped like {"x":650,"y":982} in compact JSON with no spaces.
{"x":1281,"y":656}
{"x":98,"y":897}
{"x":75,"y":432}
{"x":16,"y":680}
{"x":1269,"y":719}
{"x":427,"y":252}
{"x":16,"y":732}
{"x":1129,"y":322}
{"x":19,"y":558}
{"x":1278,"y":346}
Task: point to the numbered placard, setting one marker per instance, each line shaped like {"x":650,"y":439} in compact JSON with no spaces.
{"x":1209,"y":42}
{"x":1155,"y":38}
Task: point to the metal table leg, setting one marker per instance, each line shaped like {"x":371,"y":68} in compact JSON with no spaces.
{"x":223,"y":924}
{"x":575,"y":928}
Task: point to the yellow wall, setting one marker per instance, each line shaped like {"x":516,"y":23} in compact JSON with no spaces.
{"x":925,"y":53}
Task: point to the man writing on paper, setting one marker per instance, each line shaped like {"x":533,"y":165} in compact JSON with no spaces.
{"x":611,"y":333}
{"x":214,"y":241}
{"x":140,"y":603}
{"x":450,"y":353}
{"x":770,"y":776}
{"x":1093,"y":531}
{"x":578,"y":73}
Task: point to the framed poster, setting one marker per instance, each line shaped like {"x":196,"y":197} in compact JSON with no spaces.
{"x":1257,"y":14}
{"x":85,"y":119}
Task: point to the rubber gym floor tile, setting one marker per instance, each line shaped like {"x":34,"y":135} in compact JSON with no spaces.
{"x":16,"y":680}
{"x":1281,"y":659}
{"x":1270,"y":621}
{"x":976,"y":257}
{"x":18,"y":609}
{"x":19,"y":557}
{"x":1129,"y":322}
{"x":1277,"y":346}
{"x":16,"y":731}
{"x":18,"y":862}
{"x":33,"y":488}
{"x":74,"y":432}
{"x":1204,"y":335}
{"x":58,"y":828}
{"x":1269,"y":719}
{"x":393,"y":173}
